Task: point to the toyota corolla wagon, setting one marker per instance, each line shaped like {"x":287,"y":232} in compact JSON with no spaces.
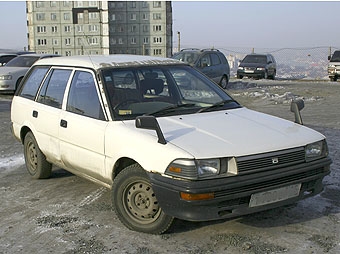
{"x":168,"y":141}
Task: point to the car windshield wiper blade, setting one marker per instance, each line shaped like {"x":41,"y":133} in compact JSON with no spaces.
{"x":217,"y":105}
{"x":171,"y":108}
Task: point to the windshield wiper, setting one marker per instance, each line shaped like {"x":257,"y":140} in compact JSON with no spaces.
{"x":217,"y":105}
{"x":171,"y":109}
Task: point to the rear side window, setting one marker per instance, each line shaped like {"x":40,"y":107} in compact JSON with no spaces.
{"x":52,"y":91}
{"x":215,"y":60}
{"x":32,"y":82}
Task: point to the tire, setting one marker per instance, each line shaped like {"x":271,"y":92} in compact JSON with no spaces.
{"x":224,"y":82}
{"x":239,"y":76}
{"x":265,"y":75}
{"x":37,"y":165}
{"x":135,"y":202}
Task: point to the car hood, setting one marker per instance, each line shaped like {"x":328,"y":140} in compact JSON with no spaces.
{"x":252,"y":65}
{"x":234,"y":132}
{"x":10,"y":70}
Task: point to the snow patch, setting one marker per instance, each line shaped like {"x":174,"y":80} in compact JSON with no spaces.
{"x":12,"y":162}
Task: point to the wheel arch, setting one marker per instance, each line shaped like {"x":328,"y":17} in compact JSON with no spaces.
{"x":120,"y":164}
{"x":24,"y":130}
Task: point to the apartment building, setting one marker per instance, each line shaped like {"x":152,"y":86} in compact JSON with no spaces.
{"x":100,"y":27}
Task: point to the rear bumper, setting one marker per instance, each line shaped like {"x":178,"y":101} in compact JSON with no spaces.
{"x":232,"y":195}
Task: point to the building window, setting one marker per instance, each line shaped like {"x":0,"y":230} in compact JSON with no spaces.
{"x":157,"y":40}
{"x":67,"y":29}
{"x":145,"y":4}
{"x":40,"y":16}
{"x":120,"y":41}
{"x":157,"y":52}
{"x":41,"y":29}
{"x":157,"y":4}
{"x":67,"y":53}
{"x":145,"y":16}
{"x":93,"y":28}
{"x":133,"y":40}
{"x":53,"y":3}
{"x":79,"y":3}
{"x":68,"y":41}
{"x":67,"y":16}
{"x":80,"y":28}
{"x":39,"y":4}
{"x":42,"y":42}
{"x":157,"y":16}
{"x":133,"y":29}
{"x":121,"y":29}
{"x":157,"y":28}
{"x":93,"y":15}
{"x":145,"y":28}
{"x":133,"y":16}
{"x":55,"y":42}
{"x":146,"y":40}
{"x":93,"y":40}
{"x":53,"y":16}
{"x":93,"y":3}
{"x":113,"y":41}
{"x":133,"y":4}
{"x":66,"y":3}
{"x":54,"y":29}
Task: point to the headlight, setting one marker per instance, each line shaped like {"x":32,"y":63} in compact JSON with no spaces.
{"x":316,"y":150}
{"x":240,"y":68}
{"x":331,"y":66}
{"x":260,"y":69}
{"x":194,"y":169}
{"x":5,"y":77}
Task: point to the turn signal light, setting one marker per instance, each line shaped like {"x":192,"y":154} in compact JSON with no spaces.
{"x":195,"y":197}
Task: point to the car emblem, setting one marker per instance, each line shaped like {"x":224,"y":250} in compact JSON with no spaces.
{"x":275,"y":160}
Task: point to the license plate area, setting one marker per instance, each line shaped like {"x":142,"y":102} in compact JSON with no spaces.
{"x":276,"y":195}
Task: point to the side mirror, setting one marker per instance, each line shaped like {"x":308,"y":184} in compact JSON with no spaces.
{"x":296,"y":106}
{"x":329,"y":58}
{"x":150,"y":123}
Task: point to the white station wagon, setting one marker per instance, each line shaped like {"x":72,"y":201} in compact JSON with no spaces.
{"x":164,"y":138}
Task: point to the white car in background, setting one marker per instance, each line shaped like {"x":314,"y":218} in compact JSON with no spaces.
{"x":168,"y":141}
{"x":12,"y":73}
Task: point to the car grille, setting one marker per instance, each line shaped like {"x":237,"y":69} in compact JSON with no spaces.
{"x":270,"y":161}
{"x":249,"y":68}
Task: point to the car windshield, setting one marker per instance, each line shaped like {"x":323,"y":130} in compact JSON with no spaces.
{"x":255,"y":59}
{"x":162,"y":91}
{"x":22,"y":61}
{"x":336,"y":57}
{"x":188,"y":57}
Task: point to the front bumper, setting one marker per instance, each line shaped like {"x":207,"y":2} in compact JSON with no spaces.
{"x":251,"y":73}
{"x":232,"y":194}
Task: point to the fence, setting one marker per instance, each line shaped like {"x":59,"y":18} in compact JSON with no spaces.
{"x":292,"y":63}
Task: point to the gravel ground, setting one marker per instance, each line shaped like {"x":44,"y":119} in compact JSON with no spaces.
{"x":67,"y":214}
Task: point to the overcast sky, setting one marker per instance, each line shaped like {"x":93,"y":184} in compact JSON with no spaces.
{"x":222,"y":24}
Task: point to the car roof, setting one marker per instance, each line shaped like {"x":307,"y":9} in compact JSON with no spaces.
{"x":102,"y":61}
{"x":37,"y":55}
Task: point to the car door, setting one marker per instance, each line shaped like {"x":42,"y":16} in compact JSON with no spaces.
{"x":46,"y":112}
{"x":82,"y":127}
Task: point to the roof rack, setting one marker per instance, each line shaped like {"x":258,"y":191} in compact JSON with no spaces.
{"x":211,"y":49}
{"x":189,"y":49}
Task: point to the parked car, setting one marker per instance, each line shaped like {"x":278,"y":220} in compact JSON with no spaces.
{"x":334,"y":66}
{"x":6,"y":57}
{"x":166,"y":149}
{"x":257,"y":66}
{"x":211,"y":62}
{"x":12,"y":73}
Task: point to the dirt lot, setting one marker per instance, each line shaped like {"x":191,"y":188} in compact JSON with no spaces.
{"x":67,"y":214}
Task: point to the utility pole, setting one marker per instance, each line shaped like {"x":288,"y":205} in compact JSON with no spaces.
{"x":179,"y":41}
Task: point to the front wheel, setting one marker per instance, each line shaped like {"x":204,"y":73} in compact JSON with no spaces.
{"x":37,"y":165}
{"x":136,"y":204}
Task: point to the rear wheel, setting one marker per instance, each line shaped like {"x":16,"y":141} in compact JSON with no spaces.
{"x":135,"y":202}
{"x":37,"y":165}
{"x":224,"y":82}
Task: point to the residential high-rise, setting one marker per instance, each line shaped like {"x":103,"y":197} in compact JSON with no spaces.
{"x":100,"y":27}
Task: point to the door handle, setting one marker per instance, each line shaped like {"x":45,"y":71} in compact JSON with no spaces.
{"x":35,"y":113}
{"x":63,"y":123}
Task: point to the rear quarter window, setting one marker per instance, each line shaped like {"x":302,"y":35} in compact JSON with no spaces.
{"x":31,"y":85}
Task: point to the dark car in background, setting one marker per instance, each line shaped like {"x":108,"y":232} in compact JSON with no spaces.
{"x":257,"y":66}
{"x":211,"y":62}
{"x":6,"y":57}
{"x":334,"y":66}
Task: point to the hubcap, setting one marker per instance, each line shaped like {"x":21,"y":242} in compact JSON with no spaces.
{"x":140,"y":202}
{"x":32,"y":156}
